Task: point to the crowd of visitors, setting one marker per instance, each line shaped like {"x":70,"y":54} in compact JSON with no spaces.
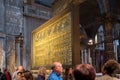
{"x":78,"y":72}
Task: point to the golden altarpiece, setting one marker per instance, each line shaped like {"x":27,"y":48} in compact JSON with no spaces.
{"x":57,"y":39}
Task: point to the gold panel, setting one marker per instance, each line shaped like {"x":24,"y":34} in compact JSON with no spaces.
{"x":52,"y":42}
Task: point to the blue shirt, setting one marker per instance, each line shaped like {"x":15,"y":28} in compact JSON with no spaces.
{"x":54,"y":76}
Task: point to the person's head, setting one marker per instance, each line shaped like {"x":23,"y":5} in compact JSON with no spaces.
{"x":42,"y":71}
{"x":70,"y":70}
{"x":68,"y":73}
{"x":110,"y":67}
{"x":57,"y":67}
{"x":20,"y":68}
{"x":5,"y":70}
{"x":84,"y":72}
{"x":19,"y":75}
{"x":27,"y":75}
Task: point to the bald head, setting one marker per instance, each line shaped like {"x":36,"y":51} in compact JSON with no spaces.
{"x":20,"y":68}
{"x":57,"y":67}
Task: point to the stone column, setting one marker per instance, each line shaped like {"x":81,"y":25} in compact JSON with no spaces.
{"x":17,"y":54}
{"x":109,"y":49}
{"x":19,"y":50}
{"x":75,"y":35}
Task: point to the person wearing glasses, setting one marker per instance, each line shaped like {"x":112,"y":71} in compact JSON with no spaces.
{"x":19,"y":76}
{"x":27,"y":75}
{"x":56,"y":71}
{"x":20,"y":69}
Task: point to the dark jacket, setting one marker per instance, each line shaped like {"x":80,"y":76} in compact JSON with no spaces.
{"x":41,"y":77}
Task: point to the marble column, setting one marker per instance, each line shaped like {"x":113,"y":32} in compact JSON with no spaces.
{"x":19,"y":50}
{"x":17,"y":56}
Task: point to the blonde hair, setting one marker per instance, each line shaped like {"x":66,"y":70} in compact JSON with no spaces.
{"x":42,"y":71}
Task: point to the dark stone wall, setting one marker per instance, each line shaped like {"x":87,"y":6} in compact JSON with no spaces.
{"x":34,"y":16}
{"x":14,"y":16}
{"x":13,"y":21}
{"x":11,"y":24}
{"x":2,"y":11}
{"x":13,"y":27}
{"x":30,"y":24}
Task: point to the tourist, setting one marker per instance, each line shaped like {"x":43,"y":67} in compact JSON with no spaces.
{"x":68,"y":74}
{"x":27,"y":75}
{"x":20,"y":69}
{"x":42,"y":74}
{"x":108,"y":70}
{"x":57,"y":71}
{"x":84,"y":72}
